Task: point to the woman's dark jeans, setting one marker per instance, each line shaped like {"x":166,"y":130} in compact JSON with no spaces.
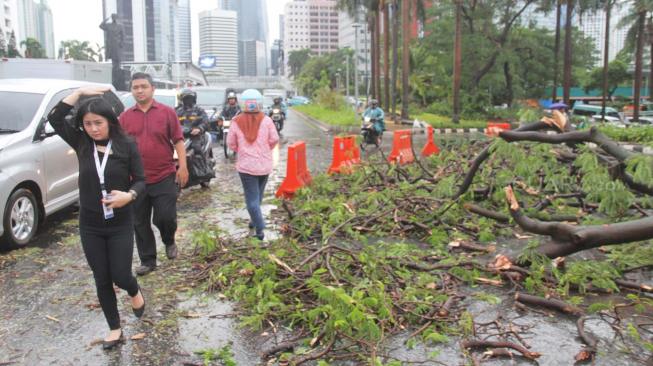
{"x":254,"y":186}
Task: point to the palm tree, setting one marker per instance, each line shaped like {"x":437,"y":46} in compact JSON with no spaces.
{"x":556,"y":50}
{"x":395,"y":54}
{"x":457,"y":61}
{"x":385,"y":6}
{"x":606,"y":54}
{"x":405,"y":55}
{"x":33,"y":48}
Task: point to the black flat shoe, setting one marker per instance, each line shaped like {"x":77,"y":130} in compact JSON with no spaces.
{"x":139,"y":311}
{"x":107,"y":345}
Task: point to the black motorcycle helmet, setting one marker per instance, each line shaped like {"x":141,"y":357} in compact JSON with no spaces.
{"x":188,"y":94}
{"x":277,"y":100}
{"x":374,"y":103}
{"x":232,"y":95}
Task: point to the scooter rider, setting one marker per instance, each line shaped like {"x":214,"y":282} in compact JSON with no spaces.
{"x":376,"y":115}
{"x":193,"y":117}
{"x":280,"y":105}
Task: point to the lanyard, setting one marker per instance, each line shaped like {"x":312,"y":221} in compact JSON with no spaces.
{"x":100,"y":167}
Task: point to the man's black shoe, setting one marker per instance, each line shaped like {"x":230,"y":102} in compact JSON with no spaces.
{"x":144,"y":269}
{"x":171,"y":251}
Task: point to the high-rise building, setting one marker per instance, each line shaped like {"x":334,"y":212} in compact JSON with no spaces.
{"x":348,"y":26}
{"x":182,"y":31}
{"x":8,"y":19}
{"x":35,"y":21}
{"x":593,"y":25}
{"x":45,"y":28}
{"x":311,"y":24}
{"x":252,"y":60}
{"x":277,"y":56}
{"x":282,"y":25}
{"x":252,"y":27}
{"x":155,"y":30}
{"x":218,"y":31}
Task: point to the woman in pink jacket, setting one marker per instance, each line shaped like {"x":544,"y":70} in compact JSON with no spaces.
{"x":253,"y":136}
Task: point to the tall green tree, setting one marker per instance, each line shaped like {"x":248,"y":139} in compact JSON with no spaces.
{"x":3,"y":45}
{"x":617,"y":75}
{"x":12,"y":49}
{"x":33,"y":48}
{"x":297,"y":59}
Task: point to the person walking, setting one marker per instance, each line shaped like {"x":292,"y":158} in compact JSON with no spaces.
{"x":158,"y":133}
{"x":110,"y":179}
{"x":253,"y":136}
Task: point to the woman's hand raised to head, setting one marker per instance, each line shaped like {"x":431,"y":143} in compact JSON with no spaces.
{"x":87,"y":91}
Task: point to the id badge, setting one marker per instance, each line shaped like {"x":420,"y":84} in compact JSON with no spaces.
{"x":108,"y":211}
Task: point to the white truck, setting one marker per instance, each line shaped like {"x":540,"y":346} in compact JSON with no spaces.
{"x":19,"y":68}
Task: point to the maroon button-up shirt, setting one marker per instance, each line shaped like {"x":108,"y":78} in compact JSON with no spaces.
{"x":156,"y":131}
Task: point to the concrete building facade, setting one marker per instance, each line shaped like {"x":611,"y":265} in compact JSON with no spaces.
{"x":311,"y":24}
{"x":252,"y":28}
{"x":218,"y":30}
{"x":155,"y":30}
{"x":348,"y":26}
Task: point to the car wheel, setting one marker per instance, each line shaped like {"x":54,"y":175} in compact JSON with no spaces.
{"x":21,"y":218}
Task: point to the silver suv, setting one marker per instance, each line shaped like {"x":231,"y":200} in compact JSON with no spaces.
{"x":38,"y":170}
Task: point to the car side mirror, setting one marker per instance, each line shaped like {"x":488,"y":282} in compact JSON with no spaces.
{"x":48,"y":130}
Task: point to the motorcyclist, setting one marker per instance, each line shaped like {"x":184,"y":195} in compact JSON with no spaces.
{"x":192,"y":116}
{"x":278,"y":104}
{"x":230,"y":109}
{"x":194,"y":122}
{"x":376,"y":115}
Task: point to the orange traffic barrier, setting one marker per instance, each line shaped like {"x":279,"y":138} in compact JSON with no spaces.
{"x":402,"y":151}
{"x":430,"y":148}
{"x":297,"y":174}
{"x":345,"y":154}
{"x":493,"y":128}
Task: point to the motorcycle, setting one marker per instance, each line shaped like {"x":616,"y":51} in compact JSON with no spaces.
{"x":369,"y":133}
{"x":277,"y":118}
{"x":200,"y":163}
{"x":228,"y":153}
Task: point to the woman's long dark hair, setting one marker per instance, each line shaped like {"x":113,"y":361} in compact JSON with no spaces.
{"x":99,"y":106}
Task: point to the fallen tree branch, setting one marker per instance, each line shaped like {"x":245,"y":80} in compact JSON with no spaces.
{"x":554,"y":304}
{"x":492,"y":344}
{"x":569,"y":239}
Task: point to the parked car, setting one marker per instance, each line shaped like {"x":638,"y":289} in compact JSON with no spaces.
{"x":38,"y":170}
{"x":210,"y":98}
{"x":645,"y":114}
{"x":164,"y":96}
{"x":594,"y":112}
{"x":298,"y":100}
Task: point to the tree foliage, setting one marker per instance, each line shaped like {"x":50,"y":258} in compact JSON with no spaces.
{"x":322,"y":71}
{"x":33,"y":48}
{"x":12,"y":49}
{"x":297,"y":59}
{"x":617,"y":75}
{"x":79,"y":50}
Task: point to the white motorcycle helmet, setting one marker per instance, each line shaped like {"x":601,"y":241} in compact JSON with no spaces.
{"x":251,"y":101}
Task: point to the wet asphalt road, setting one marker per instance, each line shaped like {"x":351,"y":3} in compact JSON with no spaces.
{"x":49,"y":314}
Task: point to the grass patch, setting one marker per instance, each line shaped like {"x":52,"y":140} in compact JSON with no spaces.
{"x":639,"y":134}
{"x":340,"y":117}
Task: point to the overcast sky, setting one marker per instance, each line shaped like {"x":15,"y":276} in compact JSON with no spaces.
{"x":70,"y":25}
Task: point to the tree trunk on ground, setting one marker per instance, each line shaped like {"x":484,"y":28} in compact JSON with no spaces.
{"x":386,"y":54}
{"x":395,"y":55}
{"x":568,"y":50}
{"x":457,"y":63}
{"x":606,"y":55}
{"x":405,"y":55}
{"x":641,"y":22}
{"x":556,"y":50}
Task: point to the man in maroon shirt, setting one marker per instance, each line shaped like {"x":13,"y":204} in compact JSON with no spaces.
{"x":157,"y":132}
